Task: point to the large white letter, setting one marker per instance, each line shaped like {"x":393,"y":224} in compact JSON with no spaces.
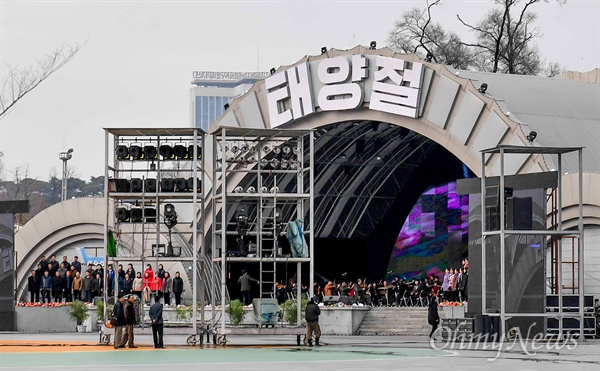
{"x":300,"y":91}
{"x":277,"y":91}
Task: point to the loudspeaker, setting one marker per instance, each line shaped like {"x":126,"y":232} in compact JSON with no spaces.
{"x":150,"y":153}
{"x":136,"y":152}
{"x":180,"y":151}
{"x":492,"y":218}
{"x":136,"y":215}
{"x":519,"y":212}
{"x":191,"y":152}
{"x":150,"y":185}
{"x":166,"y":151}
{"x":167,"y":185}
{"x":118,"y":185}
{"x":122,"y":214}
{"x":122,"y":152}
{"x":150,"y":214}
{"x":181,"y":185}
{"x":136,"y":185}
{"x":190,"y":184}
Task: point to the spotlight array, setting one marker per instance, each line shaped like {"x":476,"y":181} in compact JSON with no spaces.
{"x":137,"y":185}
{"x":135,"y":214}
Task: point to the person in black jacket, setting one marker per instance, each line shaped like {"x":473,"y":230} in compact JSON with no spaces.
{"x":33,"y":286}
{"x":118,"y":321}
{"x":156,"y":315}
{"x":432,"y":316}
{"x":312,"y":322}
{"x":58,"y":284}
{"x":177,"y":288}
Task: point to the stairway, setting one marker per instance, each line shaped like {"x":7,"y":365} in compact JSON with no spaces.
{"x":395,"y":321}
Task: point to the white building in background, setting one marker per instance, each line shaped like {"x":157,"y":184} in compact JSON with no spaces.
{"x":213,"y":90}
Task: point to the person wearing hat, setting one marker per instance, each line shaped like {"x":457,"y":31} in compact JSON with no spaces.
{"x":312,"y":322}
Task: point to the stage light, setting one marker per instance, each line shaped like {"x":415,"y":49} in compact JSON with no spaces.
{"x":251,"y":189}
{"x":296,"y":150}
{"x":235,"y":149}
{"x":150,"y":152}
{"x":373,"y":45}
{"x":122,"y":214}
{"x":272,"y":71}
{"x":181,"y":185}
{"x":166,"y":151}
{"x":266,"y":149}
{"x":264,"y":189}
{"x":150,"y":185}
{"x":287,"y":150}
{"x":264,"y":162}
{"x":293,"y":165}
{"x":323,"y":50}
{"x":429,"y":57}
{"x":274,"y":163}
{"x":226,"y":106}
{"x":122,"y":152}
{"x":180,"y":151}
{"x":136,"y":185}
{"x":238,"y":189}
{"x":284,"y":164}
{"x":136,"y":152}
{"x":531,"y":136}
{"x":483,"y":88}
{"x":190,"y":152}
{"x":277,"y":150}
{"x":244,"y":148}
{"x":167,"y":185}
{"x":136,"y":215}
{"x":274,"y":190}
{"x":170,"y":211}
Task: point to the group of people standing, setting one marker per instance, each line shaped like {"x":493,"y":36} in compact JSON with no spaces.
{"x":124,"y":318}
{"x":68,"y":281}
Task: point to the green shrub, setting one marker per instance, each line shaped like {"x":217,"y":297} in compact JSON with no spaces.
{"x":184,"y":313}
{"x":289,"y":309}
{"x":78,"y":311}
{"x":235,"y":311}
{"x":100,"y":310}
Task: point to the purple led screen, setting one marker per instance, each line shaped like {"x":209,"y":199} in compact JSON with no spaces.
{"x":434,"y":236}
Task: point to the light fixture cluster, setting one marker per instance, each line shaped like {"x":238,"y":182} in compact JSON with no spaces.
{"x":278,"y":157}
{"x":148,"y":185}
{"x":253,"y":190}
{"x":149,"y":152}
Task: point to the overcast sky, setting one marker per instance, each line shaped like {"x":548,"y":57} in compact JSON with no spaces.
{"x":136,"y":66}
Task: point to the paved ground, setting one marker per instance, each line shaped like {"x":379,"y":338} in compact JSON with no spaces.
{"x":19,"y":351}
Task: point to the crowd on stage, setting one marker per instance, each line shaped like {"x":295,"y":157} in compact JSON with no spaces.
{"x":54,"y":281}
{"x":451,"y":287}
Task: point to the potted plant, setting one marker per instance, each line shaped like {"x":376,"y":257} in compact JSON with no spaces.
{"x":235,"y":310}
{"x":290,"y":311}
{"x":78,"y":310}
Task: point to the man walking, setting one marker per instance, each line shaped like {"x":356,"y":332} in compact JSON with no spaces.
{"x":312,"y":322}
{"x":433,"y":317}
{"x":156,"y":315}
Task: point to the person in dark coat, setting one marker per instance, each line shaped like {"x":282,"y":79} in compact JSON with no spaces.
{"x":177,"y":288}
{"x":129,"y":322}
{"x":312,"y":322}
{"x":156,"y":315}
{"x":118,"y":321}
{"x":58,"y":285}
{"x":33,"y":286}
{"x":87,"y":287}
{"x":432,"y":316}
{"x":46,"y":287}
{"x":76,"y":263}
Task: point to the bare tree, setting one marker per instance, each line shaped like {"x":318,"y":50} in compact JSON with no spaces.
{"x":19,"y":81}
{"x":505,"y":38}
{"x":554,"y":69}
{"x":416,"y":33}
